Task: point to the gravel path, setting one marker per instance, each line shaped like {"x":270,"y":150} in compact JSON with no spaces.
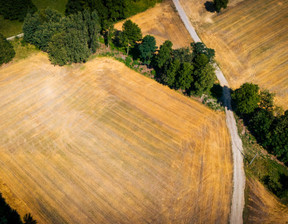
{"x":238,"y":201}
{"x":13,"y":37}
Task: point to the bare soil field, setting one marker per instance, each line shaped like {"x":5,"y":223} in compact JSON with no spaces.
{"x":250,"y":38}
{"x":100,"y":143}
{"x":263,"y":207}
{"x":163,"y":22}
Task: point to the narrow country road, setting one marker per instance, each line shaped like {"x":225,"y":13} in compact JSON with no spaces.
{"x":237,"y":204}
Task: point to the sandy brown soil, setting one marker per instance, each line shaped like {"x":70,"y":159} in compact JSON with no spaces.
{"x":250,"y":38}
{"x":164,"y":23}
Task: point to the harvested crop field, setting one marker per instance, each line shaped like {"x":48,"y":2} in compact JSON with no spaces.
{"x":100,"y":143}
{"x":163,"y":22}
{"x":262,"y":206}
{"x":250,"y":38}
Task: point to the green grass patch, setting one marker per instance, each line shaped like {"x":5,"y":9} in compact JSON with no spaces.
{"x":59,"y":5}
{"x":10,"y":27}
{"x":23,"y":50}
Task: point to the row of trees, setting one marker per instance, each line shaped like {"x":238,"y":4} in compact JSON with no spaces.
{"x":16,"y":9}
{"x":7,"y":52}
{"x":66,"y":39}
{"x":189,"y":69}
{"x":266,"y":122}
{"x":109,"y":10}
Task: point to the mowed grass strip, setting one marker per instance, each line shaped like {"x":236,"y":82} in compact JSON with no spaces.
{"x":250,"y":38}
{"x":162,"y":22}
{"x":101,"y":143}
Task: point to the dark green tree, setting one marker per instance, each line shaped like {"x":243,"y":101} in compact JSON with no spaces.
{"x":68,"y":47}
{"x":246,"y":98}
{"x":30,"y":26}
{"x":164,"y":54}
{"x":131,"y":33}
{"x":7,"y":52}
{"x":200,"y":48}
{"x":39,"y":28}
{"x":73,"y":6}
{"x":147,"y":48}
{"x":169,"y":74}
{"x":183,"y":54}
{"x":92,"y":23}
{"x":28,"y":219}
{"x":16,"y":9}
{"x":279,"y":137}
{"x":220,"y":4}
{"x":204,"y":77}
{"x":260,"y":124}
{"x":201,"y":61}
{"x":184,"y":76}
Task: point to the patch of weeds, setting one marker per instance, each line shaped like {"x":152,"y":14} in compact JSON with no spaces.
{"x":23,"y":49}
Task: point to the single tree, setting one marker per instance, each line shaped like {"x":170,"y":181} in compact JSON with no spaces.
{"x":279,"y":137}
{"x":201,"y":61}
{"x":164,"y":54}
{"x":204,"y":79}
{"x":130,"y":35}
{"x":260,"y":124}
{"x":184,"y":77}
{"x":219,"y":4}
{"x":246,"y":98}
{"x":147,"y":48}
{"x":7,"y":52}
{"x":170,"y":72}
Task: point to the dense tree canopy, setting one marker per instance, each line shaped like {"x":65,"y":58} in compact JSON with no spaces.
{"x":7,"y":52}
{"x":147,"y":48}
{"x":246,"y":98}
{"x":204,"y":78}
{"x":258,"y":110}
{"x":164,"y":54}
{"x":66,"y":39}
{"x":109,"y":10}
{"x":16,"y":9}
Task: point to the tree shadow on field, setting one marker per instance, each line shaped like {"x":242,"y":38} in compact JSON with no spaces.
{"x":209,"y":6}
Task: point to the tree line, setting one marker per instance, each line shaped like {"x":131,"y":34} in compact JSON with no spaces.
{"x":267,"y":122}
{"x":66,"y":39}
{"x":188,"y":69}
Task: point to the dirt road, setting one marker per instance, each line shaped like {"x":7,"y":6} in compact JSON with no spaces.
{"x":237,"y":204}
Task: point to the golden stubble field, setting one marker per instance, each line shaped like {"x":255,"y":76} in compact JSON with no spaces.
{"x":250,"y":39}
{"x":272,"y":211}
{"x":100,"y":143}
{"x":164,"y":23}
